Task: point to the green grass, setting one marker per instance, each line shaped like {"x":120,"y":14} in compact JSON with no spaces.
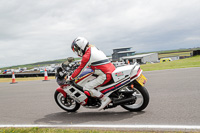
{"x":56,"y":130}
{"x":52,"y":130}
{"x":175,"y":54}
{"x":182,"y":63}
{"x":178,"y":50}
{"x":46,"y":130}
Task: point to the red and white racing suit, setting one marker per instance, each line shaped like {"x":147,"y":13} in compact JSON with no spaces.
{"x":101,"y":67}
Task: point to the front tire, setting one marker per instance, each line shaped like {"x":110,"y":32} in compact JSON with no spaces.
{"x":67,"y":104}
{"x":142,"y":99}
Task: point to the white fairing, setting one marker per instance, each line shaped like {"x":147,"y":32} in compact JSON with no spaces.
{"x":125,"y":71}
{"x":122,"y":72}
{"x":75,"y":94}
{"x":135,"y":70}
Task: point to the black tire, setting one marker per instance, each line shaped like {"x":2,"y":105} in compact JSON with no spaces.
{"x":71,"y":106}
{"x":141,"y":106}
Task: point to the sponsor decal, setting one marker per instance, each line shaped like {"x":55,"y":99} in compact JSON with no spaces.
{"x":119,"y":74}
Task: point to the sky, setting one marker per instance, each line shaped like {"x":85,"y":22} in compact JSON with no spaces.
{"x":42,"y":30}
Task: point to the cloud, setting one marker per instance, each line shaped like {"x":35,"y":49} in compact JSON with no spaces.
{"x":41,"y":30}
{"x":195,"y":38}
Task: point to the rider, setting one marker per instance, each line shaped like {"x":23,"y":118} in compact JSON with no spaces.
{"x":97,"y":60}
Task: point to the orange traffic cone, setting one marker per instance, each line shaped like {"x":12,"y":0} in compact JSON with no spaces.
{"x":45,"y":75}
{"x":13,"y":79}
{"x":128,"y":62}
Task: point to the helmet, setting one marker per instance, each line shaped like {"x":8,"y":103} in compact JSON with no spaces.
{"x":79,"y":46}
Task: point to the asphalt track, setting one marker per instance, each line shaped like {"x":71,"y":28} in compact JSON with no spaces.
{"x":174,"y":102}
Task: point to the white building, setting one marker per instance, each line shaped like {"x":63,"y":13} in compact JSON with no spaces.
{"x":142,"y":58}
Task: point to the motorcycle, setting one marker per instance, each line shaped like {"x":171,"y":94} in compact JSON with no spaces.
{"x":126,"y":89}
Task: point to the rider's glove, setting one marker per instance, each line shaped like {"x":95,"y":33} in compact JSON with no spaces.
{"x":60,"y":74}
{"x":69,"y":78}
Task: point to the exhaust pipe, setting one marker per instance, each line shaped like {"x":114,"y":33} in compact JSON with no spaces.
{"x":123,"y":101}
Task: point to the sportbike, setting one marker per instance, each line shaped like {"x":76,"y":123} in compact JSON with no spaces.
{"x":125,"y":89}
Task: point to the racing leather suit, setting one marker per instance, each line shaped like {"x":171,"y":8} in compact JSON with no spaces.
{"x":101,"y":66}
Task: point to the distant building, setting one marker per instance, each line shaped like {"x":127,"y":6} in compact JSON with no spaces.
{"x":121,"y":52}
{"x":142,"y":58}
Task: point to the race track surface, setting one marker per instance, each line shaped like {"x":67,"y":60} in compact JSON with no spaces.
{"x":174,"y":100}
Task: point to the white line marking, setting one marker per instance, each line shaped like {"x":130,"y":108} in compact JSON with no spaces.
{"x":175,"y":127}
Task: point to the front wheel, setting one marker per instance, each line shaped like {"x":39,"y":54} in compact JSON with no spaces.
{"x":67,"y":104}
{"x":142,"y":100}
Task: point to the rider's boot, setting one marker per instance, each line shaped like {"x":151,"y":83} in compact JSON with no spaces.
{"x":104,"y":101}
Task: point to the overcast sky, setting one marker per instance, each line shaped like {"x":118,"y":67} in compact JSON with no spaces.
{"x":41,"y":30}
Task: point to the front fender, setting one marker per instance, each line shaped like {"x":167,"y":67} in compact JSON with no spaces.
{"x":59,"y":89}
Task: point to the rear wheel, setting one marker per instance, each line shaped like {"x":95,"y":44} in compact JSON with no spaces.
{"x":142,"y":100}
{"x":67,"y":104}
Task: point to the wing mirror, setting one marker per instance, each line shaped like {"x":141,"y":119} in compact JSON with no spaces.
{"x":66,"y":63}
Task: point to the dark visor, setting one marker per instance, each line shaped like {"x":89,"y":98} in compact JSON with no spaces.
{"x":74,"y":47}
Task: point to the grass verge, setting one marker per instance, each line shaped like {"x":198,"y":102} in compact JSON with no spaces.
{"x":182,"y":63}
{"x":56,"y":130}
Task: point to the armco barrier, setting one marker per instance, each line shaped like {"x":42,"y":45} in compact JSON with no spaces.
{"x":23,"y":75}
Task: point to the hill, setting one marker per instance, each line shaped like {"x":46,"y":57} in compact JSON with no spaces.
{"x":37,"y":64}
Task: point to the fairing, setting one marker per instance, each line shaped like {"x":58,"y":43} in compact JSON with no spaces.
{"x":87,"y":72}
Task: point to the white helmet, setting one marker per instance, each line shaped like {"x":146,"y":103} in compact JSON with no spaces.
{"x":79,"y":46}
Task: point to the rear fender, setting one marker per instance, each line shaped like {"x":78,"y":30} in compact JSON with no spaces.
{"x":60,"y":89}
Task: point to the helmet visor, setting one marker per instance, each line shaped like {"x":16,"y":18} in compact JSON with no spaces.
{"x":76,"y":49}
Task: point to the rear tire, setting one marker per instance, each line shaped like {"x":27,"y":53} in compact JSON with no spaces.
{"x":67,"y":104}
{"x":142,"y":94}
